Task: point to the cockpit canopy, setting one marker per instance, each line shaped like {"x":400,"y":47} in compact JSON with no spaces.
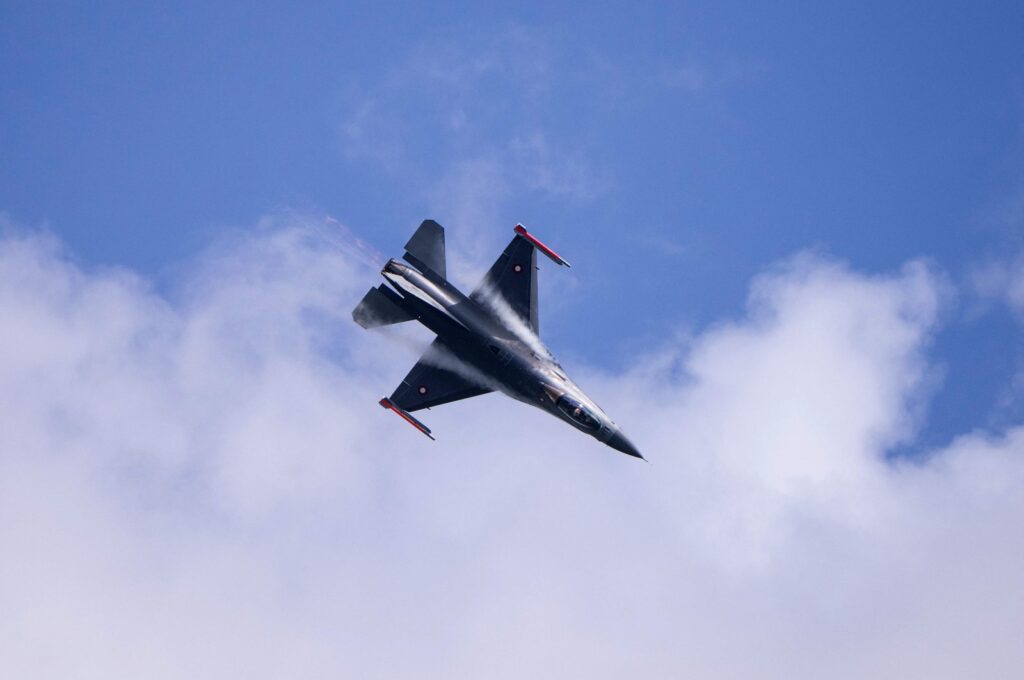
{"x":577,"y":412}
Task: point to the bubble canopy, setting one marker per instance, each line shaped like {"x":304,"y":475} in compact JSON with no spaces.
{"x":577,"y":412}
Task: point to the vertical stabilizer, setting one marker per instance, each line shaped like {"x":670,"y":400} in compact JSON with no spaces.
{"x":425,"y":250}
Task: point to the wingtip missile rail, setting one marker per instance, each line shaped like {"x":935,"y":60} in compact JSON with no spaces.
{"x":406,"y":416}
{"x":555,"y":257}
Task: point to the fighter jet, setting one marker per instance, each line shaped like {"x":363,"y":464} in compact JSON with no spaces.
{"x":485,"y":342}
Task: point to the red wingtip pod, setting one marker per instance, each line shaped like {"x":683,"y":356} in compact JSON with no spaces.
{"x":521,"y":230}
{"x":388,"y":404}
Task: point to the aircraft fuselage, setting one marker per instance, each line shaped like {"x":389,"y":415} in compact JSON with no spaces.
{"x":485,"y":347}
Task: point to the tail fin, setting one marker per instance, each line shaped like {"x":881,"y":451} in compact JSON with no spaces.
{"x":380,"y":307}
{"x":425,"y":250}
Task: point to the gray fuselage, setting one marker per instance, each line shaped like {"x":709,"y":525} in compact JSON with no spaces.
{"x":488,"y":347}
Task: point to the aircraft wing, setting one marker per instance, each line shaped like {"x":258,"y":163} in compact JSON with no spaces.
{"x":428,"y":385}
{"x":513,"y":277}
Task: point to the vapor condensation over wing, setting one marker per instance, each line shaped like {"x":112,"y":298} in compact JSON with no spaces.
{"x":397,"y":335}
{"x":441,"y":358}
{"x":435,"y":356}
{"x":512,"y":321}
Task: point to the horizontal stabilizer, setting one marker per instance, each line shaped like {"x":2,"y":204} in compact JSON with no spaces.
{"x":425,"y":250}
{"x":380,"y":307}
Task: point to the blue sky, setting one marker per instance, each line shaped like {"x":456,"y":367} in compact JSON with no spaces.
{"x":687,"y":147}
{"x":797,"y":236}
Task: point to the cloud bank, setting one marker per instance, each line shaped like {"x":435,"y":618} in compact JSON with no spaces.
{"x":199,"y":483}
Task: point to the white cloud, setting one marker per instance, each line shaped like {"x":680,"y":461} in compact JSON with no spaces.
{"x":201,"y":485}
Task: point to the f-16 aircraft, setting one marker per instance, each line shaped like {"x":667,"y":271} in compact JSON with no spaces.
{"x":485,"y":342}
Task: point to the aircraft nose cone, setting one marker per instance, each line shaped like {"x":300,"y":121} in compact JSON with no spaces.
{"x":619,"y":442}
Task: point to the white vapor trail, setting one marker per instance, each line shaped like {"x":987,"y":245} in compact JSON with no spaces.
{"x":514,"y":323}
{"x":436,"y":356}
{"x":442,"y":358}
{"x":346,"y":241}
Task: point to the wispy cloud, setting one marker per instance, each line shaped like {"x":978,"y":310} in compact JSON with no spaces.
{"x":201,"y":484}
{"x":562,"y":173}
{"x":463,"y":126}
{"x":1001,"y":281}
{"x":701,"y":76}
{"x":687,"y":77}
